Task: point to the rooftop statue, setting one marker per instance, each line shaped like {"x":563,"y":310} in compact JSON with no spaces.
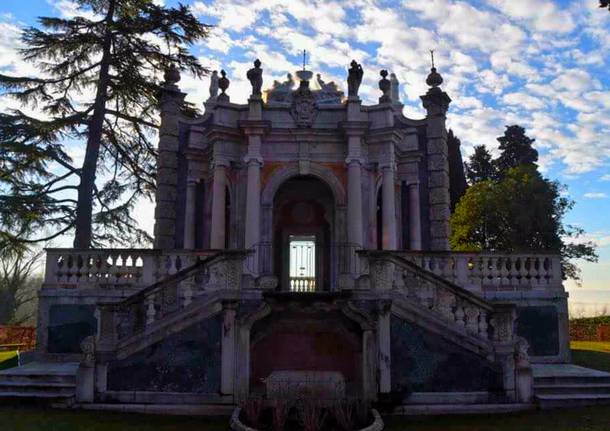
{"x":354,"y":79}
{"x":255,"y":76}
{"x":394,"y":89}
{"x":281,"y":91}
{"x":386,"y":87}
{"x":223,"y":83}
{"x":214,"y":85}
{"x":329,"y":92}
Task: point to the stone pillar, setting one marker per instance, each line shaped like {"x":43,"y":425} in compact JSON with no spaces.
{"x":384,"y":345}
{"x":167,"y":161}
{"x":217,"y":235}
{"x":388,"y":216}
{"x":254,"y":129}
{"x":354,"y":203}
{"x":227,"y":378}
{"x":369,"y":366}
{"x":189,"y":215}
{"x":414,"y":217}
{"x":436,"y":103}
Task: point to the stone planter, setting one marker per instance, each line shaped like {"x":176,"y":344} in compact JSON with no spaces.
{"x":238,"y":425}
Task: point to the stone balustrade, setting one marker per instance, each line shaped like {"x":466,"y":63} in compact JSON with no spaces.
{"x":489,"y":271}
{"x":99,"y":268}
{"x":218,"y":271}
{"x":462,"y":310}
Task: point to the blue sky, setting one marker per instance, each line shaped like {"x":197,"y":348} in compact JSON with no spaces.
{"x":538,"y":63}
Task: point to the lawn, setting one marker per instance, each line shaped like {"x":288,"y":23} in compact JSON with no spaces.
{"x":38,"y":419}
{"x":591,"y":354}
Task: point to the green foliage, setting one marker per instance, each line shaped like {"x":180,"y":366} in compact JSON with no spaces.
{"x":19,"y":284}
{"x":519,"y":212}
{"x":480,"y":166}
{"x":95,"y":86}
{"x":515,"y":150}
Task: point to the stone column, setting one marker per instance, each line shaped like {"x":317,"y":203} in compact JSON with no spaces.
{"x":217,"y":235}
{"x":189,"y":215}
{"x":254,"y":129}
{"x":414,"y":217}
{"x":167,"y":161}
{"x":227,"y":379}
{"x":384,"y":345}
{"x":436,"y":103}
{"x":388,"y":197}
{"x":354,"y":186}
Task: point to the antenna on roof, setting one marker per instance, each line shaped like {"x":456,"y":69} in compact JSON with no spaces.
{"x":432,"y":57}
{"x":304,"y":58}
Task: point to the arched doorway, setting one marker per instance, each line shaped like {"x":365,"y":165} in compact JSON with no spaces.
{"x":303,"y":221}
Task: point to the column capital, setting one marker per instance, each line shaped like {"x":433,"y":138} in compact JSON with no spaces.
{"x":250,"y":159}
{"x":218,"y":162}
{"x":354,"y":159}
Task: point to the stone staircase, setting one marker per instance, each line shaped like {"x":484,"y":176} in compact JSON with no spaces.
{"x":39,"y":380}
{"x":567,"y":385}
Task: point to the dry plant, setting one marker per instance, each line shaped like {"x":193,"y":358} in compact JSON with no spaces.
{"x":343,"y":411}
{"x":279,"y":411}
{"x":311,"y":414}
{"x":252,"y":409}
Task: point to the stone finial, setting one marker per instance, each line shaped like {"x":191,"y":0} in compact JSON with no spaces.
{"x":434,"y":79}
{"x":214,"y":85}
{"x":255,"y":76}
{"x":354,"y":78}
{"x":223,"y":84}
{"x":172,"y":75}
{"x":394,"y":89}
{"x":385,"y":86}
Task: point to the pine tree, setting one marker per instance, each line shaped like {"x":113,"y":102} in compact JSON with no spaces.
{"x":480,"y":166}
{"x":98,"y":81}
{"x":515,"y":149}
{"x":457,"y":178}
{"x":604,"y":4}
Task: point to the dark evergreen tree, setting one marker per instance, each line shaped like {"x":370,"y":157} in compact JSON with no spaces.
{"x":515,"y":149}
{"x":95,"y":89}
{"x":604,"y":4}
{"x":457,"y":177}
{"x":480,"y":166}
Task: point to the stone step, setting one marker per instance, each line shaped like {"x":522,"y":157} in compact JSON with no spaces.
{"x":37,"y":379}
{"x":571,"y":380}
{"x":36,"y":394}
{"x":163,"y":409}
{"x":571,"y":400}
{"x":452,"y":409}
{"x":572,"y":388}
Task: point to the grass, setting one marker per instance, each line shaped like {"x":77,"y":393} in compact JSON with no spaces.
{"x":40,"y":419}
{"x":591,"y":354}
{"x":8,"y":360}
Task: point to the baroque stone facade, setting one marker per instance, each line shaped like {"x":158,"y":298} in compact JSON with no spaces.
{"x":302,"y":233}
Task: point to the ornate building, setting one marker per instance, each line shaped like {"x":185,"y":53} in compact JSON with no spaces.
{"x":302,"y":234}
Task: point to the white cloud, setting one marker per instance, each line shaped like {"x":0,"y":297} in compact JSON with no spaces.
{"x":595,"y":195}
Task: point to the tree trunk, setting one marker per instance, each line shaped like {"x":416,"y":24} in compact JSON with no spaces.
{"x":84,"y":207}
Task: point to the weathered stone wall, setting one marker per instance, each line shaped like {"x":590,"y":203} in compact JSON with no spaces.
{"x":188,"y":361}
{"x":425,"y":362}
{"x":68,"y":326}
{"x":539,"y":326}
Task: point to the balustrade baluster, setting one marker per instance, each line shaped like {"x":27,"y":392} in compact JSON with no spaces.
{"x":483,"y":324}
{"x":459,"y":314}
{"x":150,"y":309}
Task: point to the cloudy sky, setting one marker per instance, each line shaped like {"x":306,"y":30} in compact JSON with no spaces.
{"x":538,"y":63}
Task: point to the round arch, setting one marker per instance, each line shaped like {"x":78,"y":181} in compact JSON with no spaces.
{"x":322,"y":173}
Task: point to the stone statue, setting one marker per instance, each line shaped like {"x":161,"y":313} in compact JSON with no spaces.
{"x":354,"y":79}
{"x":329,"y":93}
{"x":394,"y":89}
{"x":255,"y":76}
{"x":281,"y":91}
{"x":223,"y":84}
{"x":214,"y":85}
{"x":385,"y":86}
